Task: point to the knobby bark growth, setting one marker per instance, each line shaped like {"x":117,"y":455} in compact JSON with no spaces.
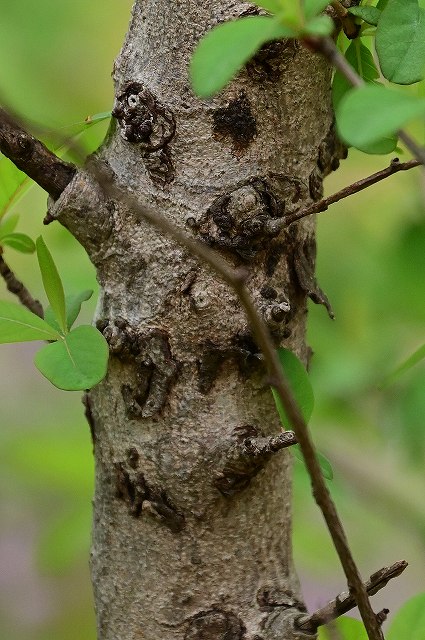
{"x":192,"y":534}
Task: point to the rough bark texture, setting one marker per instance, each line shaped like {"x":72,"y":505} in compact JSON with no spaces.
{"x":174,"y":555}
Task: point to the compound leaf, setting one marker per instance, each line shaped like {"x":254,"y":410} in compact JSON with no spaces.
{"x":18,"y":324}
{"x":77,"y":361}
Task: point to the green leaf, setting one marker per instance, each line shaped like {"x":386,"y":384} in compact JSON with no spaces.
{"x":73,"y":305}
{"x":347,"y":629}
{"x":314,"y":7}
{"x":319,"y":26}
{"x":368,"y":114}
{"x":400,"y":41}
{"x":18,"y":241}
{"x":77,"y":361}
{"x":73,"y":308}
{"x":324,"y":463}
{"x":18,"y":324}
{"x":274,"y":6}
{"x":410,"y":362}
{"x":52,"y":283}
{"x":299,"y":383}
{"x":361,"y":59}
{"x":9,"y":225}
{"x":12,"y":184}
{"x":98,"y":117}
{"x":368,"y":14}
{"x":409,"y":621}
{"x":225,"y":49}
{"x":382,"y":4}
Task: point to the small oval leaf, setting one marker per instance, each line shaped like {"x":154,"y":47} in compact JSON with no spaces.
{"x":18,"y":324}
{"x":273,"y":6}
{"x":227,"y":47}
{"x":8,"y":225}
{"x":18,"y":241}
{"x":52,"y":283}
{"x":400,"y":41}
{"x":346,"y":628}
{"x":409,"y":621}
{"x":299,"y":383}
{"x":361,"y":59}
{"x":314,"y":7}
{"x":370,"y":113}
{"x":325,"y":465}
{"x":321,"y":26}
{"x":77,"y":361}
{"x":368,"y":14}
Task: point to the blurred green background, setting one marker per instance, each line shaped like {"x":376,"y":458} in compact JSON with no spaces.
{"x":56,"y":60}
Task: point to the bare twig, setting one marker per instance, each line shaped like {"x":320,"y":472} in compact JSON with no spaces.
{"x":322,"y":205}
{"x":16,"y":287}
{"x":345,"y":601}
{"x":237,"y":279}
{"x":330,"y":51}
{"x":31,"y":156}
{"x":249,"y":454}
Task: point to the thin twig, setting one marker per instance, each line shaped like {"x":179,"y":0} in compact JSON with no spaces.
{"x":31,"y":156}
{"x":237,"y":279}
{"x":345,"y":602}
{"x":330,"y":51}
{"x":322,"y":205}
{"x":16,"y":287}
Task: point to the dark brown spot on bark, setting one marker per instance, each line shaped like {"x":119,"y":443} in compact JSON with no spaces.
{"x":315,"y":184}
{"x":241,"y":221}
{"x":271,"y":60}
{"x":144,"y":120}
{"x":235,"y":121}
{"x":144,"y":498}
{"x":88,"y":412}
{"x":215,"y":624}
{"x":304,"y":265}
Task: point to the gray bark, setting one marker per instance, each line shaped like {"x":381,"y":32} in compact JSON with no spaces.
{"x":189,"y":541}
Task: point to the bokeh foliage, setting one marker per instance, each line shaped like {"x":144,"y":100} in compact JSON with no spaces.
{"x":56,"y":60}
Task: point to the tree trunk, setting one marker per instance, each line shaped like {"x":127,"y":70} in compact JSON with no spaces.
{"x":192,"y":533}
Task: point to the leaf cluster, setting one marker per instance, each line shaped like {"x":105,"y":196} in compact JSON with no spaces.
{"x":75,"y":358}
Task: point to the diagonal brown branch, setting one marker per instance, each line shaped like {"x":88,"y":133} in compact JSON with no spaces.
{"x":16,"y":287}
{"x":345,"y":601}
{"x":237,"y":278}
{"x":33,"y":158}
{"x":322,"y":205}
